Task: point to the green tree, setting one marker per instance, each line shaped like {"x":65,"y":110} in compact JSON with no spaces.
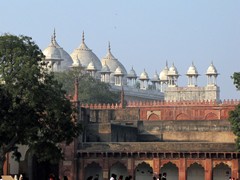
{"x":34,"y":110}
{"x":236,"y":80}
{"x":234,"y":116}
{"x":91,"y":90}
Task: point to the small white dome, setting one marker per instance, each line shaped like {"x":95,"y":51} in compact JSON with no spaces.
{"x":211,"y":70}
{"x":91,"y":67}
{"x":118,"y":71}
{"x":192,"y":70}
{"x":144,"y":76}
{"x":163,"y":74}
{"x":105,"y":68}
{"x":132,"y":74}
{"x":173,"y":71}
{"x":155,"y":77}
{"x":76,"y":63}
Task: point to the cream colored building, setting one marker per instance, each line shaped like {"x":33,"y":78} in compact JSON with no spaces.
{"x":162,"y":86}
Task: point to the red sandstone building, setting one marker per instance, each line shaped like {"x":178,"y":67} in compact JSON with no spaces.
{"x":187,"y":140}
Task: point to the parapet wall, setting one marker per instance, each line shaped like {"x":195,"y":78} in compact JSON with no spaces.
{"x":162,"y":103}
{"x":166,"y":110}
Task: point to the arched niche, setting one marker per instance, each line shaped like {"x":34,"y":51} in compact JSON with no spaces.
{"x":195,"y":172}
{"x":93,"y":169}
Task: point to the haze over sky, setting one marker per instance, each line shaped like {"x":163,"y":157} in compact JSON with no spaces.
{"x":143,"y":33}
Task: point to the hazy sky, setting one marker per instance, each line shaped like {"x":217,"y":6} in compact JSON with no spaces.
{"x":143,"y":33}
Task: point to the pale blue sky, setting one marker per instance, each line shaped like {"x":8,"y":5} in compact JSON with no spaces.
{"x":143,"y":33}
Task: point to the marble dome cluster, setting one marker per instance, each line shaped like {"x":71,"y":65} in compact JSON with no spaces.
{"x":110,"y":70}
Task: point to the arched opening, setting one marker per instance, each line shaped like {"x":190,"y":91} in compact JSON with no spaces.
{"x":221,"y":172}
{"x":93,"y":169}
{"x":171,"y":170}
{"x":182,"y":116}
{"x":119,"y":169}
{"x":143,"y":171}
{"x":153,"y":117}
{"x":195,"y":172}
{"x":211,"y":116}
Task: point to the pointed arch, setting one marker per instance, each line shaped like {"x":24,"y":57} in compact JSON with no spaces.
{"x":182,"y":116}
{"x":211,"y":116}
{"x":171,"y":170}
{"x":221,"y":171}
{"x":92,"y":169}
{"x":195,"y":172}
{"x":153,"y":116}
{"x":118,"y":168}
{"x":143,"y":171}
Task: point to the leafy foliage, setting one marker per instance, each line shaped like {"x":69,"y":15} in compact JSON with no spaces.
{"x":90,"y":90}
{"x":234,"y":116}
{"x":236,"y":79}
{"x":33,"y":108}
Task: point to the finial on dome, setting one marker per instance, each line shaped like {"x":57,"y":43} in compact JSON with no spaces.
{"x":52,"y":39}
{"x":83,"y":39}
{"x":109,"y":46}
{"x":54,"y":34}
{"x":166,"y":63}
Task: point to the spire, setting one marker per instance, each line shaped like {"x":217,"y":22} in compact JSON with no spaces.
{"x":166,"y":63}
{"x":109,"y":46}
{"x":54,"y":34}
{"x":83,"y":38}
{"x":52,"y":40}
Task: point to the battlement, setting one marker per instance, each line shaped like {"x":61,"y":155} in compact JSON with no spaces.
{"x":162,"y":103}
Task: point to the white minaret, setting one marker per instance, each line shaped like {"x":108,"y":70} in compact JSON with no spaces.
{"x":173,"y":76}
{"x":163,"y":77}
{"x":144,"y":80}
{"x":192,"y":75}
{"x":131,"y":78}
{"x":212,"y":75}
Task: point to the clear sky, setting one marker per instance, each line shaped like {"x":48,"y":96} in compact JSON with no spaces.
{"x":143,"y":33}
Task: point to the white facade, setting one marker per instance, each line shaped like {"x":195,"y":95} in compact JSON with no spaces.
{"x":110,"y":70}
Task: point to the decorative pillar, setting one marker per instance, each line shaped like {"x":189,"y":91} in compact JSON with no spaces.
{"x":235,"y":168}
{"x":182,"y":169}
{"x":208,"y":169}
{"x":105,"y":168}
{"x":130,"y":167}
{"x":156,"y":166}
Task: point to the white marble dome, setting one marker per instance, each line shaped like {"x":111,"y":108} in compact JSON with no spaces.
{"x":163,"y":74}
{"x":91,"y":67}
{"x":192,"y":71}
{"x":212,"y":70}
{"x":52,"y":52}
{"x":155,"y":77}
{"x":113,"y":64}
{"x":85,"y":55}
{"x":132,"y":74}
{"x":60,"y":53}
{"x":119,"y":71}
{"x":144,"y":75}
{"x":105,"y":68}
{"x":173,"y":71}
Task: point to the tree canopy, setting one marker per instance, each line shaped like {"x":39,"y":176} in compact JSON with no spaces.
{"x":34,"y":110}
{"x":234,"y":116}
{"x":91,"y":90}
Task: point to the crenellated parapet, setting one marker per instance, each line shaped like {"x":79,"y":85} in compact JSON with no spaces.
{"x":138,"y":104}
{"x":102,"y":106}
